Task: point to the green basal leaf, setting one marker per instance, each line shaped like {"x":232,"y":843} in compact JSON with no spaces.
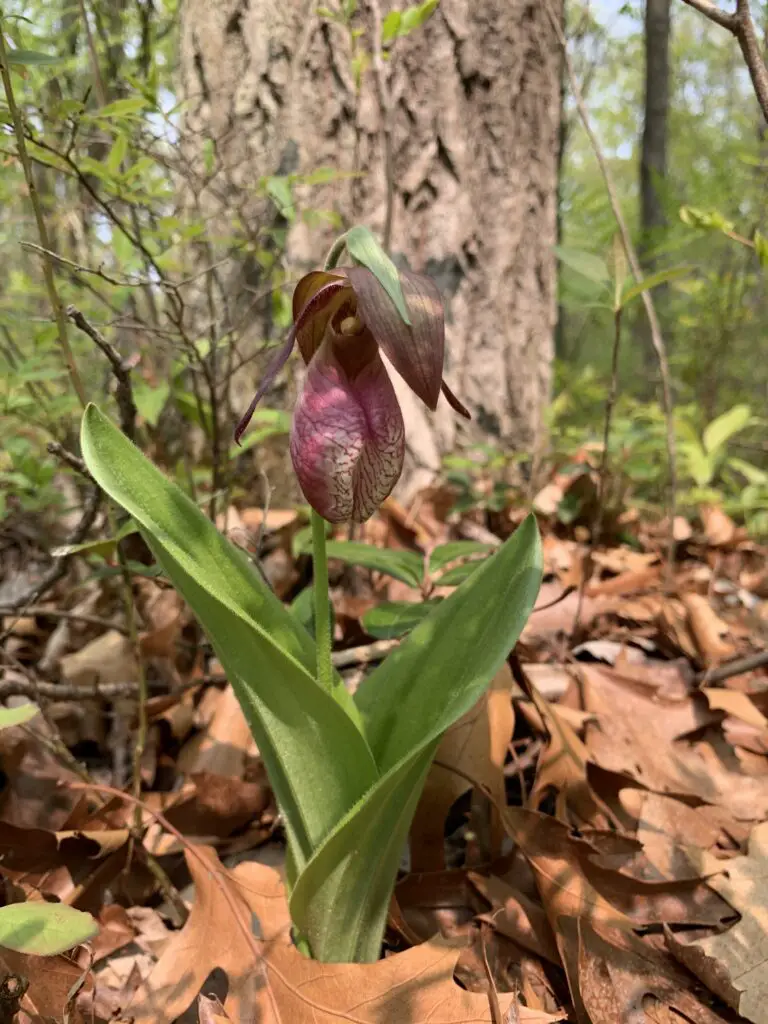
{"x":17,"y":716}
{"x":392,"y":619}
{"x":446,"y":662}
{"x":406,"y":566}
{"x":445,"y":553}
{"x":453,"y":577}
{"x":44,"y":929}
{"x":340,"y":899}
{"x":317,"y":759}
{"x":365,"y":250}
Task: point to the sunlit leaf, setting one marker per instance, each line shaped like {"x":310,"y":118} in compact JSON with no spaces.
{"x":44,"y":929}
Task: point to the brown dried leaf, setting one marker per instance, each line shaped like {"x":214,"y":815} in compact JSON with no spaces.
{"x":734,"y":963}
{"x":708,"y":629}
{"x":477,"y":745}
{"x":719,"y":528}
{"x":269,"y":981}
{"x":735,"y":703}
{"x":615,"y":978}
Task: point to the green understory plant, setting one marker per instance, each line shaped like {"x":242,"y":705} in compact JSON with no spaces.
{"x":347,"y":771}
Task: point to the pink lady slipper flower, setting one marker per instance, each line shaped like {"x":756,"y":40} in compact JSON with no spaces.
{"x":347,"y":438}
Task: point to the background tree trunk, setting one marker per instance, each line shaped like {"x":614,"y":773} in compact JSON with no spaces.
{"x":653,"y":156}
{"x":474,"y":122}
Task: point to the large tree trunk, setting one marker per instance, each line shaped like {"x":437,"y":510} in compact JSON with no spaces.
{"x":474,"y":127}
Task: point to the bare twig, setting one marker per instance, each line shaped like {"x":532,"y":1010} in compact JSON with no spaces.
{"x":124,"y":390}
{"x":59,"y":566}
{"x":384,"y":96}
{"x":657,"y":339}
{"x":69,"y":459}
{"x":39,"y":689}
{"x":219,"y":875}
{"x":732,"y":668}
{"x":50,"y":284}
{"x":740,"y":24}
{"x":101,"y":92}
{"x":41,"y":612}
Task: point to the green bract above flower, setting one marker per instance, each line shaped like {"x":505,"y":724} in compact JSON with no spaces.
{"x":347,"y":438}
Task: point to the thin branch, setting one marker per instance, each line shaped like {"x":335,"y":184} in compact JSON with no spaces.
{"x":714,"y":13}
{"x":656,"y":336}
{"x":384,"y":95}
{"x":41,"y":612}
{"x":741,"y":25}
{"x":53,"y":296}
{"x":59,"y":566}
{"x":40,"y":689}
{"x":124,"y":390}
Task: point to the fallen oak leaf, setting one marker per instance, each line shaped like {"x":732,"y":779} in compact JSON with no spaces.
{"x":477,"y":745}
{"x":615,"y":975}
{"x":269,"y":981}
{"x":734,"y":963}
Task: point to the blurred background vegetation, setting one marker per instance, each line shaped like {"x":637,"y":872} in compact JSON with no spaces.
{"x":96,"y":86}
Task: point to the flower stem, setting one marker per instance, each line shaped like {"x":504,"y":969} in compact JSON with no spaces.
{"x":334,"y":255}
{"x":323,"y":638}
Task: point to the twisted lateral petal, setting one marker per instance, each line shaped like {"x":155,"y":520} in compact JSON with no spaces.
{"x":348,"y":438}
{"x":416,"y":352}
{"x":316,"y":298}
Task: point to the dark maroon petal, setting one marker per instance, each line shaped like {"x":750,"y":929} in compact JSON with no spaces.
{"x":316,"y":298}
{"x":416,"y":352}
{"x":279,"y":360}
{"x":347,"y":438}
{"x":454,"y":403}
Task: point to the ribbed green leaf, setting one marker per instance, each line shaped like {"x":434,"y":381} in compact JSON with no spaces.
{"x":447,"y":661}
{"x":340,"y":899}
{"x":317,"y":759}
{"x":395,"y":618}
{"x":402,"y":565}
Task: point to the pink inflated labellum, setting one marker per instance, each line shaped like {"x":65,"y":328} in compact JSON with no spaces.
{"x":347,"y":438}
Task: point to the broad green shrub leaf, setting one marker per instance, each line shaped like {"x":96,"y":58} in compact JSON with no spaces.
{"x":364,"y":249}
{"x":392,"y":619}
{"x":131,"y":105}
{"x":44,"y":928}
{"x":653,"y":281}
{"x":584,"y":263}
{"x":406,"y":566}
{"x":722,"y":429}
{"x":26,"y":57}
{"x":445,"y":553}
{"x":317,"y":759}
{"x":18,"y":715}
{"x":340,"y":898}
{"x":150,"y":401}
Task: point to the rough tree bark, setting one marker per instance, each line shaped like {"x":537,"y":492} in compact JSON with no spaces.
{"x":474,"y":126}
{"x":653,"y":157}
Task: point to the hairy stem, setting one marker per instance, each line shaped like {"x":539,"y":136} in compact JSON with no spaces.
{"x":322,"y":603}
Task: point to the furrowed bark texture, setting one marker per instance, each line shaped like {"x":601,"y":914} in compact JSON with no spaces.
{"x":474,"y":123}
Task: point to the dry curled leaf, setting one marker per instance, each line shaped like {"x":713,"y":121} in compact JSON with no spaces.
{"x":734,"y":963}
{"x":270,"y":982}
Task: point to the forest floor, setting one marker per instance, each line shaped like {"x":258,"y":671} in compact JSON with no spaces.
{"x":592,"y":843}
